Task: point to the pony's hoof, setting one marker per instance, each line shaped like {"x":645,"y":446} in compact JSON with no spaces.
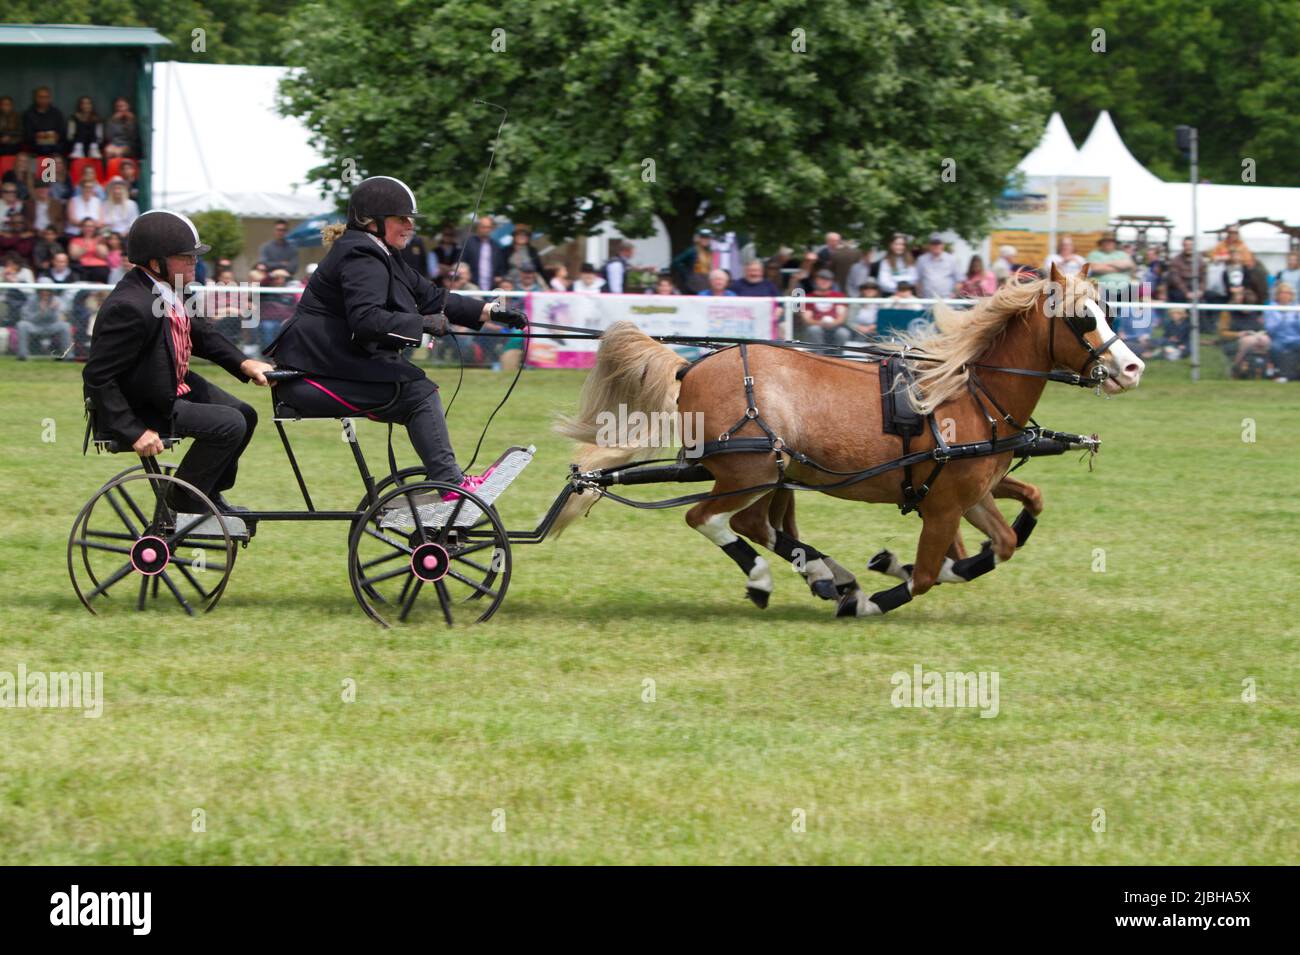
{"x":760,"y":597}
{"x":825,"y":589}
{"x":881,"y":562}
{"x":856,"y":603}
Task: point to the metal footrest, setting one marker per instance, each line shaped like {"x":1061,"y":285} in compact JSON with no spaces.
{"x":397,"y":515}
{"x":211,"y":526}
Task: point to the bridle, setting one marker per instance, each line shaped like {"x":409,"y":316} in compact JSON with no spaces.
{"x":1093,"y":372}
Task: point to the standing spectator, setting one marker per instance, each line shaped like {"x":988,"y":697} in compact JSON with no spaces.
{"x":979,"y":281}
{"x":278,"y":252}
{"x":43,"y":210}
{"x":276,"y":308}
{"x":85,"y":130}
{"x":719,"y":284}
{"x":588,"y":280}
{"x":1065,"y":259}
{"x":823,"y":320}
{"x":486,"y":259}
{"x":1180,"y":273}
{"x":1005,"y":264}
{"x":10,"y":204}
{"x":1231,"y":242}
{"x":937,"y":271}
{"x":559,"y":281}
{"x":615,"y":270}
{"x":692,"y":266}
{"x":752,"y":284}
{"x":1154,"y":268}
{"x":1216,"y":278}
{"x":1283,"y":329}
{"x":120,"y":211}
{"x":43,"y":127}
{"x":416,"y":255}
{"x":1112,"y":269}
{"x":897,"y":265}
{"x":860,"y":272}
{"x":11,"y":127}
{"x":44,"y":316}
{"x":121,"y":131}
{"x":802,"y":277}
{"x":85,"y":205}
{"x":838,"y":256}
{"x":444,"y":256}
{"x":1289,"y":276}
{"x":521,"y":251}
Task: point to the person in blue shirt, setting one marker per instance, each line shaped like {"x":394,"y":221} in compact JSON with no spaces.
{"x":753,"y":284}
{"x":1283,"y":329}
{"x":718,"y":282}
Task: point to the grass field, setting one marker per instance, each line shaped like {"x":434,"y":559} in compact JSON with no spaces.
{"x":1120,"y":691}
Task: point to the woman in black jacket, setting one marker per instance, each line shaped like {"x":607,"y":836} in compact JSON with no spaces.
{"x":362,"y":307}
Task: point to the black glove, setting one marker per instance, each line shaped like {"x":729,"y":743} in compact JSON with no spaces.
{"x":509,"y":315}
{"x":435,"y":325}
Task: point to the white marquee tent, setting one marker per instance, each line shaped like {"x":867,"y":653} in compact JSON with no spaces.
{"x":218,"y":143}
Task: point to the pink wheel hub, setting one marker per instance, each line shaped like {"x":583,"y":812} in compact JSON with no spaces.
{"x":430,"y":562}
{"x":149,"y":555}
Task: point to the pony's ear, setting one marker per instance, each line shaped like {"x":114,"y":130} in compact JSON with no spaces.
{"x":1083,"y":272}
{"x":1055,"y":275}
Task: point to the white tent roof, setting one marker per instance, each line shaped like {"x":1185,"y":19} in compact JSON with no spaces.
{"x":1055,"y":154}
{"x":219,"y":144}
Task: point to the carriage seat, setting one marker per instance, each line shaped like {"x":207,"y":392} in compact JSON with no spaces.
{"x":107,"y":443}
{"x":284,"y":411}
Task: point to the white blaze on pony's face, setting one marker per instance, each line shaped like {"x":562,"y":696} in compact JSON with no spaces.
{"x":1125,"y":367}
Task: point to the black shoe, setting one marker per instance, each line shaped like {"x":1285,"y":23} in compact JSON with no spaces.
{"x":225,"y":507}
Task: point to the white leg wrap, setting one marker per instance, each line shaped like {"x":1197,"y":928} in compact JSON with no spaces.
{"x":816,"y":570}
{"x":760,"y":577}
{"x":946,"y":575}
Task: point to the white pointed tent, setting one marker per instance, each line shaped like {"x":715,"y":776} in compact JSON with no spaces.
{"x":1055,"y":154}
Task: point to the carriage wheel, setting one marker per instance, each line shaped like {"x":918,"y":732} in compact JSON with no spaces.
{"x":393,"y":559}
{"x":126,"y":534}
{"x":133,"y":469}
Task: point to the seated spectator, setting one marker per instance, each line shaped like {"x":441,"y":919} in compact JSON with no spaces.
{"x":1289,"y":276}
{"x":44,"y":316}
{"x":43,"y":126}
{"x":1283,"y":328}
{"x":1154,"y":268}
{"x":85,"y":130}
{"x":863,"y":317}
{"x":1175,"y":335}
{"x":588,"y":280}
{"x":1242,"y":335}
{"x":225,"y":305}
{"x":11,"y":127}
{"x":1004,"y":266}
{"x":16,"y":239}
{"x":13,"y":300}
{"x":1065,"y":259}
{"x":802,"y":277}
{"x":525,"y":279}
{"x":44,"y":210}
{"x":720,"y":282}
{"x":48,"y":246}
{"x":559,"y":281}
{"x":117,"y":261}
{"x":896,"y":266}
{"x":89,"y":253}
{"x":130,"y":171}
{"x":444,"y":256}
{"x":905,"y":297}
{"x":121,"y":131}
{"x":980,"y":281}
{"x":61,"y":270}
{"x":120,"y":211}
{"x":822,"y":320}
{"x":86,"y":204}
{"x":10,"y":203}
{"x":276,"y":308}
{"x":278,"y":252}
{"x":753,"y":284}
{"x":664,"y":285}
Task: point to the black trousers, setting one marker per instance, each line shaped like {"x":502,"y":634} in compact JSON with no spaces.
{"x":414,"y":404}
{"x":221,"y":426}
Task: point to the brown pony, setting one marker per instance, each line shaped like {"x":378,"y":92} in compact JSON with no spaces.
{"x":829,"y":409}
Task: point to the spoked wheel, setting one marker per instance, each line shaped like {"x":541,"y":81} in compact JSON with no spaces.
{"x":127,"y":535}
{"x":454,"y":559}
{"x":400,"y":479}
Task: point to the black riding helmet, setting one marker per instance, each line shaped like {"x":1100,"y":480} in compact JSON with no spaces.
{"x":381,"y":196}
{"x":159,"y":233}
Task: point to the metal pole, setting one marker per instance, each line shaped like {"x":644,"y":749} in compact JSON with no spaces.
{"x":1196,"y":271}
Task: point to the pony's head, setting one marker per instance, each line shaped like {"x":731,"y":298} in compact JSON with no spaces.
{"x":1079,"y":335}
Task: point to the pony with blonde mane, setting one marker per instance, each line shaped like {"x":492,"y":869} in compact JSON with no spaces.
{"x":1000,"y":353}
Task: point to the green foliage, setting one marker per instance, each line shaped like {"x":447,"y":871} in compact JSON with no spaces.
{"x":221,"y":230}
{"x":1229,"y":69}
{"x":851,"y":134}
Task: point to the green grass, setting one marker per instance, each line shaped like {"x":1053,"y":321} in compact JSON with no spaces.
{"x":1119,"y":690}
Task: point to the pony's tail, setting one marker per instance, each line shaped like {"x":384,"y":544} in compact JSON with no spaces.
{"x":633,"y":373}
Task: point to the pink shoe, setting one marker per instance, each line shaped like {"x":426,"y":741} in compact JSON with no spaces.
{"x":471,"y":483}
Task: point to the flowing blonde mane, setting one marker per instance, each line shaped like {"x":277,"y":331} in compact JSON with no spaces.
{"x":961,"y":336}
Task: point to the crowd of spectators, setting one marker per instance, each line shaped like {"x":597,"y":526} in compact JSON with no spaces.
{"x":68,"y":196}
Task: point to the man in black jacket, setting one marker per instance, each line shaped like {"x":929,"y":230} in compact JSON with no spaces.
{"x":138,"y":375}
{"x":362,"y":307}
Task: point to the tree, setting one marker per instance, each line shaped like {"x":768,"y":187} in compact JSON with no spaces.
{"x":220,"y":229}
{"x":1229,"y":69}
{"x":769,"y":117}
